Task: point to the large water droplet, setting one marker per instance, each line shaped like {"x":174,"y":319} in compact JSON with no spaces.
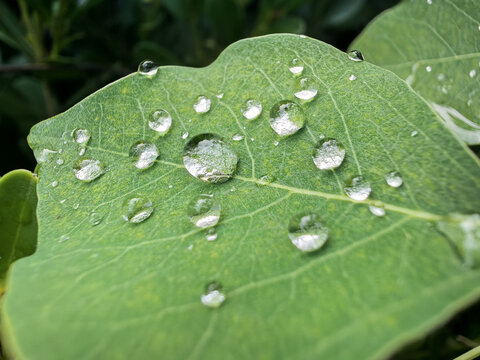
{"x":328,"y":154}
{"x":88,"y":169}
{"x":237,"y":137}
{"x":137,"y":209}
{"x":81,"y":136}
{"x":147,"y":67}
{"x":307,"y":232}
{"x":357,"y":188}
{"x":213,"y":297}
{"x":377,"y":208}
{"x":394,"y":179}
{"x":204,"y":211}
{"x":252,"y":109}
{"x":43,"y":155}
{"x":202,"y":104}
{"x":143,"y":154}
{"x":209,"y":158}
{"x":211,"y":235}
{"x":161,"y":121}
{"x":355,"y":55}
{"x":296,"y":68}
{"x":307,"y":90}
{"x":94,"y":218}
{"x":286,"y":118}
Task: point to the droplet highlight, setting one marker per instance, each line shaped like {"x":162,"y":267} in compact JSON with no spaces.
{"x":296,"y":68}
{"x":328,"y":154}
{"x":161,"y":121}
{"x":307,"y":232}
{"x":143,"y":154}
{"x":357,"y":188}
{"x":286,"y":118}
{"x":202,"y":104}
{"x":213,"y":296}
{"x":137,"y":209}
{"x":81,"y":136}
{"x":355,"y":55}
{"x":88,"y":169}
{"x":204,"y":211}
{"x":251,"y":109}
{"x":307,"y":90}
{"x":394,"y":179}
{"x":148,"y":68}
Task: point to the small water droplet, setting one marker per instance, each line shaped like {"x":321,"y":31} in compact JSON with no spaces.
{"x":147,"y":67}
{"x":190,"y":247}
{"x":59,"y":161}
{"x":237,"y":137}
{"x":82,"y":151}
{"x":137,"y":209}
{"x":252,"y":109}
{"x":307,"y":232}
{"x":94,"y":218}
{"x":88,"y":169}
{"x":429,"y":2}
{"x":377,"y":208}
{"x":355,"y":55}
{"x":307,"y":92}
{"x":394,"y":179}
{"x":81,"y":136}
{"x":266,"y":179}
{"x":209,"y":158}
{"x":76,"y":206}
{"x":296,"y":68}
{"x":63,"y":201}
{"x":54,"y":183}
{"x":161,"y":121}
{"x":276,"y":143}
{"x":414,"y":133}
{"x":303,"y":36}
{"x":428,"y":68}
{"x":441,"y":77}
{"x":64,"y":238}
{"x":170,"y":186}
{"x":328,"y":154}
{"x":184,"y":135}
{"x":43,"y":155}
{"x":202,"y":104}
{"x":357,"y":188}
{"x":213,"y":297}
{"x":143,"y":154}
{"x":286,"y":118}
{"x":204,"y":211}
{"x":472,"y":73}
{"x":352,"y":77}
{"x":219,"y":95}
{"x":211,"y":235}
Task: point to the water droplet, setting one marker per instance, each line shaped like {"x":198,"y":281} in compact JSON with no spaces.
{"x":202,"y":104}
{"x":307,"y":92}
{"x":266,"y":179}
{"x":147,"y":67}
{"x":357,"y":188}
{"x":88,"y":169}
{"x":428,"y":68}
{"x":303,"y":36}
{"x":472,"y":73}
{"x":43,"y":155}
{"x":252,"y":109}
{"x":352,"y":77}
{"x":64,"y":238}
{"x":209,"y":158}
{"x":81,"y":136}
{"x":213,"y":297}
{"x":161,"y":121}
{"x":94,"y":218}
{"x":204,"y":211}
{"x":76,"y":206}
{"x":184,"y":135}
{"x":296,"y":68}
{"x":190,"y":247}
{"x":137,"y":209}
{"x":63,"y":201}
{"x":441,"y":77}
{"x":394,"y":179}
{"x":429,"y":2}
{"x":59,"y":161}
{"x":170,"y":186}
{"x":377,"y":208}
{"x":54,"y":183}
{"x":237,"y":137}
{"x":211,"y":235}
{"x":219,"y":95}
{"x":286,"y":118}
{"x":328,"y":154}
{"x":414,"y":133}
{"x":307,"y":232}
{"x":143,"y":154}
{"x":355,"y":55}
{"x":276,"y":143}
{"x":82,"y":151}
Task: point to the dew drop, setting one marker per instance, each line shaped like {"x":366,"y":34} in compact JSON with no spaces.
{"x":137,"y":209}
{"x":266,"y":179}
{"x":211,"y":235}
{"x":81,"y":136}
{"x":355,"y":55}
{"x":357,"y":188}
{"x":190,"y":247}
{"x":352,"y":77}
{"x":328,"y":154}
{"x":54,"y":183}
{"x":64,"y":238}
{"x":286,"y":118}
{"x":377,"y":208}
{"x":147,"y":67}
{"x":428,"y":68}
{"x":237,"y":137}
{"x":204,"y":211}
{"x":251,"y":109}
{"x":60,"y":161}
{"x":143,"y":154}
{"x":209,"y":158}
{"x":184,"y":135}
{"x":276,"y":143}
{"x":161,"y":121}
{"x":307,"y":232}
{"x":296,"y":68}
{"x":213,"y":297}
{"x":88,"y":169}
{"x":472,"y":73}
{"x":307,"y":91}
{"x":202,"y":104}
{"x":429,"y":2}
{"x":94,"y":218}
{"x":76,"y":206}
{"x":394,"y":179}
{"x":219,"y":95}
{"x":63,"y":201}
{"x":43,"y":155}
{"x":414,"y":133}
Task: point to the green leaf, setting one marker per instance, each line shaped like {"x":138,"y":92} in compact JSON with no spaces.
{"x":434,"y":46}
{"x":101,"y":287}
{"x":18,"y":221}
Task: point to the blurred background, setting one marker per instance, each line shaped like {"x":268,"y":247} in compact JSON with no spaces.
{"x":53,"y":53}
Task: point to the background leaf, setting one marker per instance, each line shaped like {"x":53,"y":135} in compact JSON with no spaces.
{"x":101,"y":287}
{"x":434,"y":46}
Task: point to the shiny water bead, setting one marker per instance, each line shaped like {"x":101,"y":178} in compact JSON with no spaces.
{"x":328,"y":154}
{"x":307,"y":90}
{"x":394,"y":179}
{"x":296,"y":68}
{"x":202,"y":104}
{"x":143,"y":154}
{"x":148,"y":68}
{"x":377,"y":208}
{"x":213,"y":296}
{"x":266,"y":179}
{"x":357,"y":188}
{"x":88,"y":169}
{"x":204,"y":211}
{"x":237,"y":137}
{"x":81,"y":136}
{"x":211,"y":235}
{"x":286,"y":118}
{"x":137,"y":209}
{"x":355,"y":55}
{"x":161,"y":121}
{"x":251,"y":109}
{"x":307,"y":232}
{"x":209,"y":158}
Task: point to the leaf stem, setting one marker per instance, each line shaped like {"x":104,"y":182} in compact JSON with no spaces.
{"x":470,"y":355}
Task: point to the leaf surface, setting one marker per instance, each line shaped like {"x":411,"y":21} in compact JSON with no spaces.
{"x":434,"y":46}
{"x":107,"y":288}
